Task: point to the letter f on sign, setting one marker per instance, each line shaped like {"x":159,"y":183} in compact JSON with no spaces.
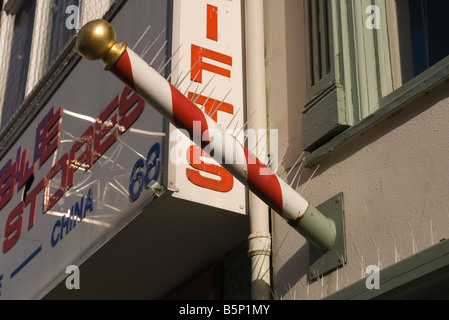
{"x":73,"y":280}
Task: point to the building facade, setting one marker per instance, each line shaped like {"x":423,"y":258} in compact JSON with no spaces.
{"x":101,"y":197}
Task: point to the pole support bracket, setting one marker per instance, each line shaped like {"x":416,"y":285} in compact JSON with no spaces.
{"x":320,"y":262}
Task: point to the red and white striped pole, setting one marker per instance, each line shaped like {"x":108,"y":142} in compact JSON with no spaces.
{"x":96,"y":40}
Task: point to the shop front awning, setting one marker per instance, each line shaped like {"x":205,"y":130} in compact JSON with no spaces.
{"x":169,"y":243}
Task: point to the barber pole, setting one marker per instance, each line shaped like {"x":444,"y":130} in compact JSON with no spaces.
{"x":97,"y":40}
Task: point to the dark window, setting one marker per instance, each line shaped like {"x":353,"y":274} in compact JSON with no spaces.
{"x":428,"y":21}
{"x":20,"y":59}
{"x":60,"y":35}
{"x":57,"y":38}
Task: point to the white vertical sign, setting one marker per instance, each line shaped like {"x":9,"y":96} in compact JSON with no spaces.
{"x":208,"y":69}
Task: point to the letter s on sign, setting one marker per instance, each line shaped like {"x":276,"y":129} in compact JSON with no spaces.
{"x":13,"y":227}
{"x":226,"y":182}
{"x":7,"y":182}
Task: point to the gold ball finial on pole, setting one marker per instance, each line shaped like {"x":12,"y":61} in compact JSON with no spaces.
{"x":97,"y":40}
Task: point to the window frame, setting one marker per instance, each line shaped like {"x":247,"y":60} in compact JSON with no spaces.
{"x":20,"y":54}
{"x":329,"y":99}
{"x":6,"y":27}
{"x":352,"y":91}
{"x":421,"y":85}
{"x":398,"y":98}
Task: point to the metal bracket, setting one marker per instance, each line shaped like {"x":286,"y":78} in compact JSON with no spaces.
{"x":323,"y":263}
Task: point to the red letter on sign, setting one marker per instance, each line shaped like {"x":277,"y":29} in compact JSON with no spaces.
{"x":7,"y":182}
{"x":199,"y":65}
{"x":87,"y":139}
{"x":40,"y":128}
{"x":212,"y":22}
{"x":24,"y":171}
{"x":62,"y":165}
{"x":13,"y":228}
{"x":211,"y":106}
{"x":102,"y":128}
{"x":31,"y":200}
{"x":226,"y":181}
{"x":50,"y":136}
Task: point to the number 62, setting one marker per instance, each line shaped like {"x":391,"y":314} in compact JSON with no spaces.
{"x":144,"y":172}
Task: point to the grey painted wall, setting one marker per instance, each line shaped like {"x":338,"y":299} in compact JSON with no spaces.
{"x":394,"y":176}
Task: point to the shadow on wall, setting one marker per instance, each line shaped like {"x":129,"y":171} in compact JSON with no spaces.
{"x":293,"y":271}
{"x":295,"y":59}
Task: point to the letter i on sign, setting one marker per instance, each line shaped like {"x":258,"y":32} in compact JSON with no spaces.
{"x":212,"y":22}
{"x":198,"y":53}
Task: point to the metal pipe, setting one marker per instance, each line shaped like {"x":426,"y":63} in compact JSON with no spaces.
{"x":97,"y":40}
{"x":259,"y":240}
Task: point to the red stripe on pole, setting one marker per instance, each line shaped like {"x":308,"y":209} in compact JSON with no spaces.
{"x":185,"y":114}
{"x":266,"y":187}
{"x":124,"y":71}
